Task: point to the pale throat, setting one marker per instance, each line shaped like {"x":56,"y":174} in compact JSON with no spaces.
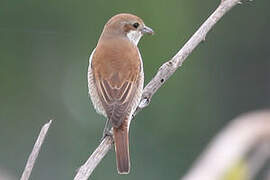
{"x":134,"y":36}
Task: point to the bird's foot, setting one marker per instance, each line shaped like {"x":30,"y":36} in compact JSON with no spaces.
{"x":106,"y":133}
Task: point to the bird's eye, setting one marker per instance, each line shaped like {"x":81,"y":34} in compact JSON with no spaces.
{"x":136,"y":25}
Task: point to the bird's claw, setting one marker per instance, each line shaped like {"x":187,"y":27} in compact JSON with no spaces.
{"x":105,"y":134}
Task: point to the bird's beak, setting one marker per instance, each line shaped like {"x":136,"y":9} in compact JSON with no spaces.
{"x":147,"y":30}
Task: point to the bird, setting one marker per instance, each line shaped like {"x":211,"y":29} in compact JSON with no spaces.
{"x":116,"y":78}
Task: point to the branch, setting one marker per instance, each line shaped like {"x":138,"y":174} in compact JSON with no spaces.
{"x":168,"y":68}
{"x":231,"y":145}
{"x":163,"y":74}
{"x":86,"y":170}
{"x":34,"y":154}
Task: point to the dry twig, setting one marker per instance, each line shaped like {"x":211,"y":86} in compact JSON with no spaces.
{"x":34,"y":154}
{"x":163,"y":74}
{"x":89,"y":166}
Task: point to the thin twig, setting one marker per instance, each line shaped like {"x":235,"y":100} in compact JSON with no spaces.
{"x":163,"y":74}
{"x":34,"y":154}
{"x":231,"y":145}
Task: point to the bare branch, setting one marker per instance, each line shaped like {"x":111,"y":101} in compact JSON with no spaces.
{"x":86,"y":170}
{"x":163,"y":74}
{"x":168,"y":68}
{"x":34,"y":154}
{"x":231,"y":145}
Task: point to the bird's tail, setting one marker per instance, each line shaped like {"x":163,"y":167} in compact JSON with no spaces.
{"x":122,"y":148}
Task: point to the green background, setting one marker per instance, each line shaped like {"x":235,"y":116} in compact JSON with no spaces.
{"x":44,"y":51}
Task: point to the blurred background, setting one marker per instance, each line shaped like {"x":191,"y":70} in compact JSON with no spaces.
{"x":44,"y":51}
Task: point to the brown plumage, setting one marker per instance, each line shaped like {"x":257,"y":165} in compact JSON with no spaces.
{"x":115,"y":78}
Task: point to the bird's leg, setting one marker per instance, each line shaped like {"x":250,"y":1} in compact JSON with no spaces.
{"x":107,"y":130}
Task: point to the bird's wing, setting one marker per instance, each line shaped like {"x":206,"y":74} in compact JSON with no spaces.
{"x":116,"y":77}
{"x":116,"y":101}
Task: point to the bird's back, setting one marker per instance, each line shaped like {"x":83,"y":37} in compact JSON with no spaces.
{"x":116,"y":68}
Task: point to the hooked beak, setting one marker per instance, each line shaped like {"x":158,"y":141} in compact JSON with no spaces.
{"x":147,"y":30}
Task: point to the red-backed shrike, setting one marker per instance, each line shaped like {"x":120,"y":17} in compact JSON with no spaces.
{"x":115,"y":79}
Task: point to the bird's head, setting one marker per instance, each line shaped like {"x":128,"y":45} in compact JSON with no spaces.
{"x":127,"y":26}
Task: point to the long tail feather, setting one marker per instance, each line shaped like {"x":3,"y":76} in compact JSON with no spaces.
{"x":122,"y":149}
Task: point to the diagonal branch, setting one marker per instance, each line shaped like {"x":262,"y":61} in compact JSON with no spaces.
{"x":34,"y":154}
{"x":89,"y":166}
{"x":168,"y":68}
{"x":163,"y":74}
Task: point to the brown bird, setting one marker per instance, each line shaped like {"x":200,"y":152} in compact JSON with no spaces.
{"x":115,"y":79}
